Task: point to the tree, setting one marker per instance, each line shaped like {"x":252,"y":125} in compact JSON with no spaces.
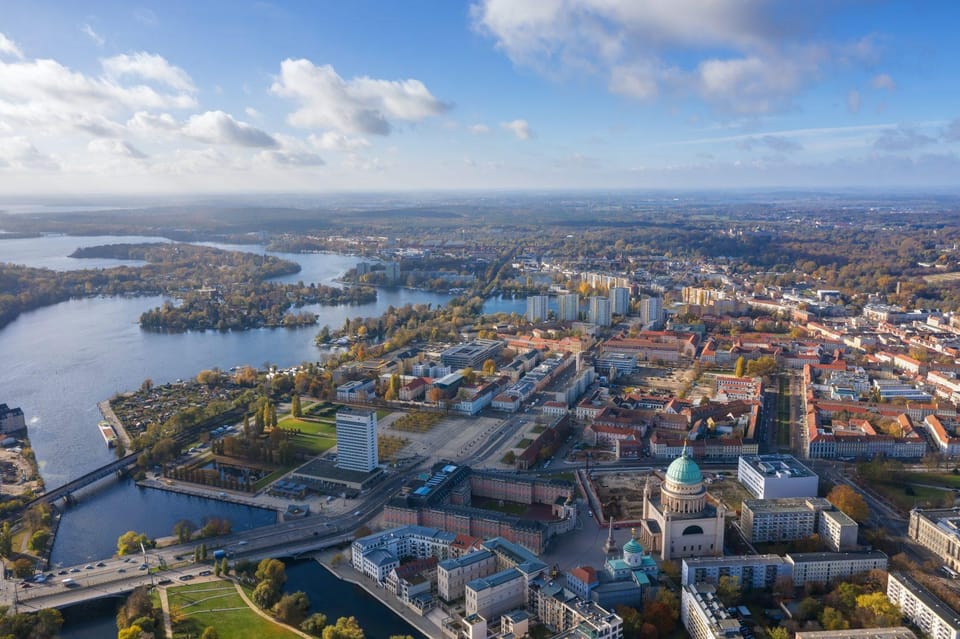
{"x":271,"y":570}
{"x":761,"y":366}
{"x":778,"y":632}
{"x":265,"y":594}
{"x":210,"y":633}
{"x":345,"y":628}
{"x":292,"y":609}
{"x":632,"y":621}
{"x":489,"y":367}
{"x":38,"y":541}
{"x":224,"y":567}
{"x":468,"y":375}
{"x":808,"y":608}
{"x":295,"y":408}
{"x":728,"y":589}
{"x":129,"y":543}
{"x":183,"y":530}
{"x":131,"y":632}
{"x":23,"y":567}
{"x":833,"y":619}
{"x":314,"y":624}
{"x":884,"y":612}
{"x":660,"y":615}
{"x":6,"y":539}
{"x":850,"y":502}
{"x":435,"y":395}
{"x":741,"y":367}
{"x":208,"y":377}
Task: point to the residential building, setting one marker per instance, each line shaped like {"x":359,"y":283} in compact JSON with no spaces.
{"x":568,"y":307}
{"x":619,"y":300}
{"x":760,"y":572}
{"x":786,"y":519}
{"x":391,"y":272}
{"x":538,"y":308}
{"x":932,"y":616}
{"x":704,"y":615}
{"x":944,"y":433}
{"x":899,"y":632}
{"x":600,"y":312}
{"x":730,"y":388}
{"x":837,"y":530}
{"x":11,"y":420}
{"x":376,"y":555}
{"x":939,"y":531}
{"x":651,"y":312}
{"x":454,"y":574}
{"x":828,"y":567}
{"x":356,"y":391}
{"x":495,"y":594}
{"x":775,"y":476}
{"x":357,"y":439}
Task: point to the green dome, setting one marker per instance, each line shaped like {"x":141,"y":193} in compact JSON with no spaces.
{"x":684,"y":470}
{"x":633,"y":547}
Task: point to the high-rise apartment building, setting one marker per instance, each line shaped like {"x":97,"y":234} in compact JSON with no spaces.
{"x":357,"y":439}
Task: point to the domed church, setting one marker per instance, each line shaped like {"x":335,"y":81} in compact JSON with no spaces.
{"x":677,"y":520}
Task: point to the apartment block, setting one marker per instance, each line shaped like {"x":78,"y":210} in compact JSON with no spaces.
{"x":704,"y":615}
{"x":837,"y":530}
{"x":454,"y":574}
{"x":828,"y":567}
{"x":786,"y":519}
{"x":934,"y":618}
{"x":752,"y":571}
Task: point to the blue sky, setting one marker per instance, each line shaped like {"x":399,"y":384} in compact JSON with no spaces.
{"x":194,"y":97}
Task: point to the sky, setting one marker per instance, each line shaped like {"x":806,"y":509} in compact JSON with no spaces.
{"x":182,"y":97}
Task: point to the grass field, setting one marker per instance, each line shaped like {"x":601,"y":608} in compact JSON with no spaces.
{"x":947,"y":480}
{"x":899,"y":493}
{"x":217,"y":604}
{"x":308,"y":426}
{"x":315,"y":444}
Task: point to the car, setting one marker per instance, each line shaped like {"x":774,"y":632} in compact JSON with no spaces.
{"x":61,"y":572}
{"x":205,"y":573}
{"x":100,"y":564}
{"x":165,"y":581}
{"x":128,"y":560}
{"x":356,"y":513}
{"x":186,"y":577}
{"x":88,"y":567}
{"x":74,"y":570}
{"x":142,"y":567}
{"x":121,"y":570}
{"x":25,"y":585}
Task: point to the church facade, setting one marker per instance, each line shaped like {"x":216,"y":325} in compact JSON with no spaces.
{"x":677,"y":520}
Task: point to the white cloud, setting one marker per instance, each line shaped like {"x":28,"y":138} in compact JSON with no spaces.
{"x":115,"y":147}
{"x":853,"y":101}
{"x":333,"y":141}
{"x":290,"y":158}
{"x":777,"y":143}
{"x":745,"y":56}
{"x":883,"y":81}
{"x":93,"y":35}
{"x":19,"y":153}
{"x":150,"y":123}
{"x":252,"y":113}
{"x":952,"y":132}
{"x":145,"y":16}
{"x":479,"y":129}
{"x":220,"y":128}
{"x":9,"y":47}
{"x":148,"y":66}
{"x":520,"y":128}
{"x":361,"y":105}
{"x":902,"y":139}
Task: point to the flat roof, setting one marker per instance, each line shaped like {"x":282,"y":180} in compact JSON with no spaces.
{"x":899,"y":632}
{"x":786,"y":504}
{"x":783,"y":466}
{"x":935,"y":604}
{"x":804,"y":557}
{"x":361,"y":412}
{"x":746,"y":560}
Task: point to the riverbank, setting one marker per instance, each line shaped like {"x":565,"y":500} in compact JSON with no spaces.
{"x":345,"y":572}
{"x":171,"y":486}
{"x":122,"y":435}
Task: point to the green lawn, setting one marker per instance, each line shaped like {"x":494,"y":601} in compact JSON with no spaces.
{"x":217,"y":604}
{"x":922,"y":495}
{"x":947,"y":480}
{"x":307,"y":426}
{"x":315,"y":444}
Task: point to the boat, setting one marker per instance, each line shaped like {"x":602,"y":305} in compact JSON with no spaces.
{"x":109,"y":435}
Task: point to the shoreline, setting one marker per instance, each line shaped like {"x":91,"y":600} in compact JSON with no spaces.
{"x":224,"y":496}
{"x":107,"y":411}
{"x":347,"y":574}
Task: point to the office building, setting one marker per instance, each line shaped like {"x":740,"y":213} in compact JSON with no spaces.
{"x":599,"y":312}
{"x":472,"y":354}
{"x":935,"y":619}
{"x":538,"y":307}
{"x":392,"y":272}
{"x":828,"y":567}
{"x":568,"y":307}
{"x":619,"y":300}
{"x":357,"y":439}
{"x":454,"y":574}
{"x":787,"y":519}
{"x":776,"y":476}
{"x":760,"y":572}
{"x":939,"y":531}
{"x":704,"y":615}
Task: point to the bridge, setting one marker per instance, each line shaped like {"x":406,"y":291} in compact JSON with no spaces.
{"x":184,"y":437}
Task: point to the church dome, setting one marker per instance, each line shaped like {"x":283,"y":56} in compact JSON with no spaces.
{"x":633,"y":547}
{"x":684,"y":471}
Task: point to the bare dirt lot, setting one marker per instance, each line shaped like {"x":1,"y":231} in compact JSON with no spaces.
{"x":13,"y":467}
{"x":621,"y":494}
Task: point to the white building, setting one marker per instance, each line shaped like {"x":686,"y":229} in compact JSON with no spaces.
{"x":775,"y":476}
{"x":495,"y":594}
{"x":752,"y":571}
{"x":538,"y":307}
{"x":619,"y":300}
{"x":651,"y":312}
{"x":454,"y":574}
{"x":599,"y":312}
{"x":828,"y":567}
{"x":837,"y":530}
{"x":785,"y":519}
{"x":939,"y":531}
{"x":568,"y":307}
{"x":357,"y":439}
{"x":936,"y":619}
{"x":899,"y":632}
{"x":377,"y":555}
{"x":705,"y":617}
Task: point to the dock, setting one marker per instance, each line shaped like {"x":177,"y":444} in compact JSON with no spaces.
{"x":206,"y":493}
{"x":111,"y":418}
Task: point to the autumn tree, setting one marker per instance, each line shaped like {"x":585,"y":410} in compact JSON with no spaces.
{"x":833,"y":619}
{"x":292,"y":609}
{"x":129,"y":543}
{"x":6,"y":539}
{"x":314,"y":624}
{"x":210,"y":633}
{"x":489,"y":367}
{"x":766,"y":365}
{"x":345,"y":628}
{"x":728,"y":589}
{"x":741,"y":367}
{"x":295,"y":408}
{"x":850,"y":502}
{"x":183,"y":530}
{"x":883,"y":613}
